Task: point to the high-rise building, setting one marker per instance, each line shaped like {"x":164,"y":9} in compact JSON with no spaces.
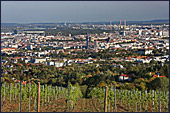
{"x":29,"y":47}
{"x":15,"y":32}
{"x":140,"y":32}
{"x":87,"y":42}
{"x":96,"y":45}
{"x":90,"y":39}
{"x":125,"y":24}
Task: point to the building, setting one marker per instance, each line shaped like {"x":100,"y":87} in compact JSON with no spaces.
{"x":29,"y":47}
{"x":15,"y":32}
{"x":50,"y":63}
{"x":39,"y":60}
{"x":140,"y":32}
{"x":35,"y":32}
{"x":96,"y":45}
{"x":166,"y":33}
{"x":87,"y":42}
{"x":58,"y":64}
{"x":160,"y":33}
{"x":145,"y":51}
{"x":124,"y":77}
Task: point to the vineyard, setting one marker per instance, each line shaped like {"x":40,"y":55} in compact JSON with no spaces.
{"x":71,"y":99}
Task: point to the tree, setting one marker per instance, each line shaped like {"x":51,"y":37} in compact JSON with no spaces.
{"x":161,"y":83}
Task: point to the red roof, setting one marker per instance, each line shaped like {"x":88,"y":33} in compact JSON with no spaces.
{"x":60,"y":68}
{"x":24,"y":82}
{"x":8,"y":48}
{"x":159,"y":76}
{"x":125,"y":75}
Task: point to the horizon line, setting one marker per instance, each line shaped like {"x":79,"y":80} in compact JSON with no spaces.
{"x":79,"y":21}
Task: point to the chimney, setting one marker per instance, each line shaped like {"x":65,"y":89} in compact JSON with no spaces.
{"x":110,"y":25}
{"x":120,"y":22}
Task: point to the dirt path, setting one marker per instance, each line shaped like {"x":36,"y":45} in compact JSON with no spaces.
{"x":60,"y":105}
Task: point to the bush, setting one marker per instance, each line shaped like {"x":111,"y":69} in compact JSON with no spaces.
{"x":161,"y":83}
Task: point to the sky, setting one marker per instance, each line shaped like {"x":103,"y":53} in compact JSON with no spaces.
{"x":82,"y":11}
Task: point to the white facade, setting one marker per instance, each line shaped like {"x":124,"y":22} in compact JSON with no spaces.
{"x":39,"y":60}
{"x":59,"y":64}
{"x":148,"y":52}
{"x":166,"y":33}
{"x":50,"y":63}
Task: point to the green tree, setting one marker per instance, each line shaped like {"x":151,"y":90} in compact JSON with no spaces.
{"x":161,"y":83}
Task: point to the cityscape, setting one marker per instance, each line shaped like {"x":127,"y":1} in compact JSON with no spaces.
{"x":118,"y":65}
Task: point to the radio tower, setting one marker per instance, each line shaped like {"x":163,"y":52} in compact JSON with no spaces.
{"x":125,"y":24}
{"x":120,"y":22}
{"x":110,"y":25}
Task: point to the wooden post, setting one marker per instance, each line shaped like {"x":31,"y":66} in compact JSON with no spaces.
{"x":136,"y":101}
{"x":152,"y":100}
{"x":105,"y":104}
{"x":35,"y":98}
{"x":140,"y":102}
{"x":29,"y":95}
{"x":15,"y":92}
{"x":112,"y":101}
{"x":159,"y":100}
{"x":115,"y":98}
{"x":38,"y":106}
{"x":4,"y":92}
{"x":20,"y":94}
{"x":167,"y":95}
{"x":10,"y":91}
{"x":146,"y":104}
{"x":109,"y":106}
{"x":68,"y":96}
{"x":48,"y":94}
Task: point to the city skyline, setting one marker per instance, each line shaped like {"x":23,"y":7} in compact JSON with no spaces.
{"x":82,"y":11}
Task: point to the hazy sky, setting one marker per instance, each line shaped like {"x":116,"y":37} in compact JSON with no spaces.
{"x":82,"y":11}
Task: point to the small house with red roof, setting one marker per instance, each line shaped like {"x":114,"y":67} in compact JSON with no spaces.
{"x":124,"y":77}
{"x":158,"y":75}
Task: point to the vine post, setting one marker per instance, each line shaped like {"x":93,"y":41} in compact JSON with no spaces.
{"x":112,"y":101}
{"x":38,"y":106}
{"x":20,"y":94}
{"x":140,"y":101}
{"x":159,"y":100}
{"x":10,"y":90}
{"x":105,"y":104}
{"x":21,"y":78}
{"x":4,"y":92}
{"x":146,"y":100}
{"x":115,"y":98}
{"x":29,"y":95}
{"x":152,"y":100}
{"x":136,"y":101}
{"x":68,"y":96}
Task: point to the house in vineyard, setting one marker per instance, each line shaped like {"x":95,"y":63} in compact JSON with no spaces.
{"x":124,"y":77}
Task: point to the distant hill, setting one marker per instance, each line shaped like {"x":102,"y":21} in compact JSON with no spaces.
{"x":157,"y":21}
{"x":160,"y":20}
